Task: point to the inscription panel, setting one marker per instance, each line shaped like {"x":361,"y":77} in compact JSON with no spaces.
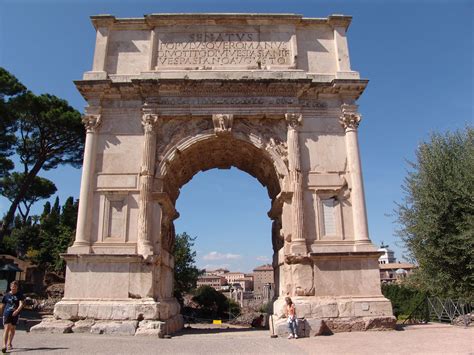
{"x":211,"y":49}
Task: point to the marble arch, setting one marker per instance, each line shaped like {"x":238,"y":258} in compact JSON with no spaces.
{"x":172,"y":94}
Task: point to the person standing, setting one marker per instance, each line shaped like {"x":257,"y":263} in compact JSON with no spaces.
{"x":12,"y":304}
{"x":291,"y":314}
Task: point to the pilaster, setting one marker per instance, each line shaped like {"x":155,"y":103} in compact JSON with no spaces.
{"x":92,"y":121}
{"x":298,"y":241}
{"x":147,"y":172}
{"x":350,"y":120}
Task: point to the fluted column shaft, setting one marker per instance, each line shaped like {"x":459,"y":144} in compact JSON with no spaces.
{"x":298,"y":241}
{"x":82,"y":241}
{"x":144,"y":240}
{"x":350,"y":120}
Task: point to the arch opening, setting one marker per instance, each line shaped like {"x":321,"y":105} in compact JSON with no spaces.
{"x":223,"y":153}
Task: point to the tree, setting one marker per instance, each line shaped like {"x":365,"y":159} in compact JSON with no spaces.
{"x":185,"y":271}
{"x":9,"y":88}
{"x":49,"y":133}
{"x":437,"y":214}
{"x":39,"y":189}
{"x":214,"y":303}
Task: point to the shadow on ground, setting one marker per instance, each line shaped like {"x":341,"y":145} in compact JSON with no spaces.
{"x":208,"y":329}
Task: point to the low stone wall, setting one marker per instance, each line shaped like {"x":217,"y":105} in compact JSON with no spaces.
{"x":314,"y":327}
{"x":126,"y":327}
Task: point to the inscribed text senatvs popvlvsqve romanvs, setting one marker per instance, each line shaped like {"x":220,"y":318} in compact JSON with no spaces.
{"x":222,"y":49}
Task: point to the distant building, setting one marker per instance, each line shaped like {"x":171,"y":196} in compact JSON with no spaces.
{"x":214,"y":281}
{"x":245,"y":281}
{"x":262,"y":275}
{"x":393,"y":272}
{"x":388,"y":255}
{"x":390,"y":269}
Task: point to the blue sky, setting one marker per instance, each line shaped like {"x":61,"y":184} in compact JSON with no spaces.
{"x":418,"y":56}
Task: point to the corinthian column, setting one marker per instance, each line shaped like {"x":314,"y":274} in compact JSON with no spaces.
{"x":350,"y":120}
{"x":81,"y":244}
{"x":298,"y":241}
{"x":144,"y":242}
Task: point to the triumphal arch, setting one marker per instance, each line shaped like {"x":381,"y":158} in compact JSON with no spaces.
{"x":170,"y":95}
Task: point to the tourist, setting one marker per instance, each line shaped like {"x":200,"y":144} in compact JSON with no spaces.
{"x":12,"y":304}
{"x":291,"y":314}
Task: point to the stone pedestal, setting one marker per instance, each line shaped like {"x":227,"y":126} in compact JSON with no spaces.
{"x":118,"y":288}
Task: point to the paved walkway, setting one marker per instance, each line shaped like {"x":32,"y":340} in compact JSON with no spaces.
{"x":420,"y":339}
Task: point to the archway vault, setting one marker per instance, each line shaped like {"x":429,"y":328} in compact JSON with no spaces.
{"x":208,"y":151}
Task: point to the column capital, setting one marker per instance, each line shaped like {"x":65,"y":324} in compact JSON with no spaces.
{"x":92,"y":122}
{"x":149,"y":121}
{"x":350,"y":117}
{"x":294,"y":120}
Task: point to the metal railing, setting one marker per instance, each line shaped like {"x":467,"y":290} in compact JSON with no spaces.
{"x":443,"y":310}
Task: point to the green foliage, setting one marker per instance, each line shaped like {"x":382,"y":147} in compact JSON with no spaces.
{"x":9,"y":88}
{"x":214,"y":304}
{"x":404,"y":298}
{"x":45,"y":132}
{"x":42,"y":239}
{"x":39,"y":189}
{"x":185,"y":271}
{"x":437,"y":214}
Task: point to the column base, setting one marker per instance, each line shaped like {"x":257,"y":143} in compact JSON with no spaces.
{"x":77,"y":248}
{"x":298,"y":248}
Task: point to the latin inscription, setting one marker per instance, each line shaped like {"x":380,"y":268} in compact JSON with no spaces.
{"x":222,"y":49}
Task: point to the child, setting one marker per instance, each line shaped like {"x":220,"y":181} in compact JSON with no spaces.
{"x":12,"y":304}
{"x":291,"y":313}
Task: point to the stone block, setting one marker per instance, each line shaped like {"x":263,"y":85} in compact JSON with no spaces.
{"x":315,"y":327}
{"x":147,"y":311}
{"x":151,"y":328}
{"x":380,"y":323}
{"x":341,"y":325}
{"x":53,"y":326}
{"x":324,"y":310}
{"x":66,"y":311}
{"x":116,"y":328}
{"x":83,"y":326}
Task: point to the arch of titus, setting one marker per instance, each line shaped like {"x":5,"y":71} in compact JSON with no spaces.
{"x":170,"y":95}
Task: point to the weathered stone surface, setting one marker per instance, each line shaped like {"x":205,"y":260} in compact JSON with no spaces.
{"x":151,"y":328}
{"x":316,"y":327}
{"x":83,"y":326}
{"x":66,"y":311}
{"x":339,"y":325}
{"x":53,"y":326}
{"x":380,"y":323}
{"x":117,"y":328}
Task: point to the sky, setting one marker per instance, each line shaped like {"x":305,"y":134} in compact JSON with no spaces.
{"x":418,"y":56}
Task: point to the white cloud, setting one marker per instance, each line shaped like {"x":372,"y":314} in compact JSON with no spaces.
{"x":263,"y":258}
{"x":214,"y":255}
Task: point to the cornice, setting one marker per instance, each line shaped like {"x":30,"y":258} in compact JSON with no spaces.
{"x":143,"y":88}
{"x":215,"y":19}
